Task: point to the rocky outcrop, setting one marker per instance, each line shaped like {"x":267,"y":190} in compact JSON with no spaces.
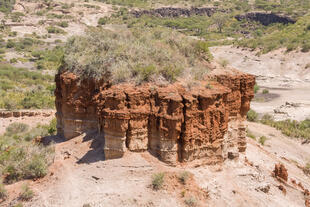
{"x":265,"y":18}
{"x":176,"y":125}
{"x":25,"y":113}
{"x":280,"y":172}
{"x":177,"y":12}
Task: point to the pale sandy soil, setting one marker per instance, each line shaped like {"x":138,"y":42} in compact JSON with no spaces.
{"x":31,"y":121}
{"x":80,"y":175}
{"x":285,"y":75}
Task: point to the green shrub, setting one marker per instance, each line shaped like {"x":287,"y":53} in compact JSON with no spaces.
{"x":265,"y":91}
{"x":158,"y":181}
{"x":13,"y":34}
{"x":10,"y":44}
{"x":52,"y":127}
{"x":55,"y":30}
{"x":256,"y":88}
{"x":267,"y":119}
{"x":102,"y":20}
{"x":49,"y":59}
{"x":262,"y":140}
{"x":36,"y":168}
{"x":6,"y":5}
{"x":26,"y":193}
{"x":305,"y":47}
{"x":13,"y":60}
{"x":37,"y":89}
{"x":16,"y":16}
{"x":289,"y":128}
{"x":63,"y":24}
{"x":252,"y":115}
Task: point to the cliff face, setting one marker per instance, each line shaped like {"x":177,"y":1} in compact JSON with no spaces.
{"x":177,"y":12}
{"x":174,"y":124}
{"x":265,"y":18}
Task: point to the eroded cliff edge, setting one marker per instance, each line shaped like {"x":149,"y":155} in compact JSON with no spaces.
{"x":175,"y":124}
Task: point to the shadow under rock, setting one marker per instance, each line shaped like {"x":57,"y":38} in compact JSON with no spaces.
{"x":52,"y":139}
{"x":96,"y":153}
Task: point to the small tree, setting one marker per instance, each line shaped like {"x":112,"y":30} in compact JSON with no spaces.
{"x":220,"y":20}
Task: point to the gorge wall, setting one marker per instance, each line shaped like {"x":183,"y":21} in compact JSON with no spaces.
{"x":202,"y":125}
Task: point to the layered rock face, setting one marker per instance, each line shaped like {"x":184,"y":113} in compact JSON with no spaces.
{"x":266,"y":18}
{"x":176,"y":125}
{"x":177,"y":12}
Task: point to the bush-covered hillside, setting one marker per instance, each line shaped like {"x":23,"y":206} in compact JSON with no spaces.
{"x":24,"y":89}
{"x":136,"y":55}
{"x":20,"y":156}
{"x":6,"y":5}
{"x":223,"y":28}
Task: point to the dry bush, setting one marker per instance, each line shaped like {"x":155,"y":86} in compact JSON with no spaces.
{"x":136,"y":55}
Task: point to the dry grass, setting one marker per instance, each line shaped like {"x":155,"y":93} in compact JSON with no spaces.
{"x":136,"y":55}
{"x":20,"y":156}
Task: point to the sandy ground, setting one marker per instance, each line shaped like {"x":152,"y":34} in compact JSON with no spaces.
{"x":285,"y":75}
{"x":31,"y":121}
{"x":80,"y":175}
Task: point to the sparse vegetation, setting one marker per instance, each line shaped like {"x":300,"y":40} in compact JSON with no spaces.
{"x":26,"y":193}
{"x":158,"y":181}
{"x":48,"y":59}
{"x":21,"y":157}
{"x":252,"y":115}
{"x":256,"y":88}
{"x":63,"y":24}
{"x":262,"y":140}
{"x":24,"y":89}
{"x":191,"y":201}
{"x":136,"y":55}
{"x":290,"y":128}
{"x":223,"y":62}
{"x":265,"y":91}
{"x":250,"y":134}
{"x":183,"y":177}
{"x":102,"y":20}
{"x":55,"y":30}
{"x":6,"y":5}
{"x":3,"y":192}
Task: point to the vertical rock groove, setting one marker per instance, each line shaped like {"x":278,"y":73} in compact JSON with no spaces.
{"x":174,"y":124}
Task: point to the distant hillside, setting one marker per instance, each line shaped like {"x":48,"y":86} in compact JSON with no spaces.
{"x":6,"y":5}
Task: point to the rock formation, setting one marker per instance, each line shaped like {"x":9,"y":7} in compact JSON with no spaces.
{"x":22,"y":113}
{"x":265,"y":18}
{"x":280,"y":172}
{"x":174,"y":124}
{"x":177,"y":12}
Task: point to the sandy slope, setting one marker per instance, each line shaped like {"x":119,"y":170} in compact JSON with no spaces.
{"x":285,"y":75}
{"x":80,"y":175}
